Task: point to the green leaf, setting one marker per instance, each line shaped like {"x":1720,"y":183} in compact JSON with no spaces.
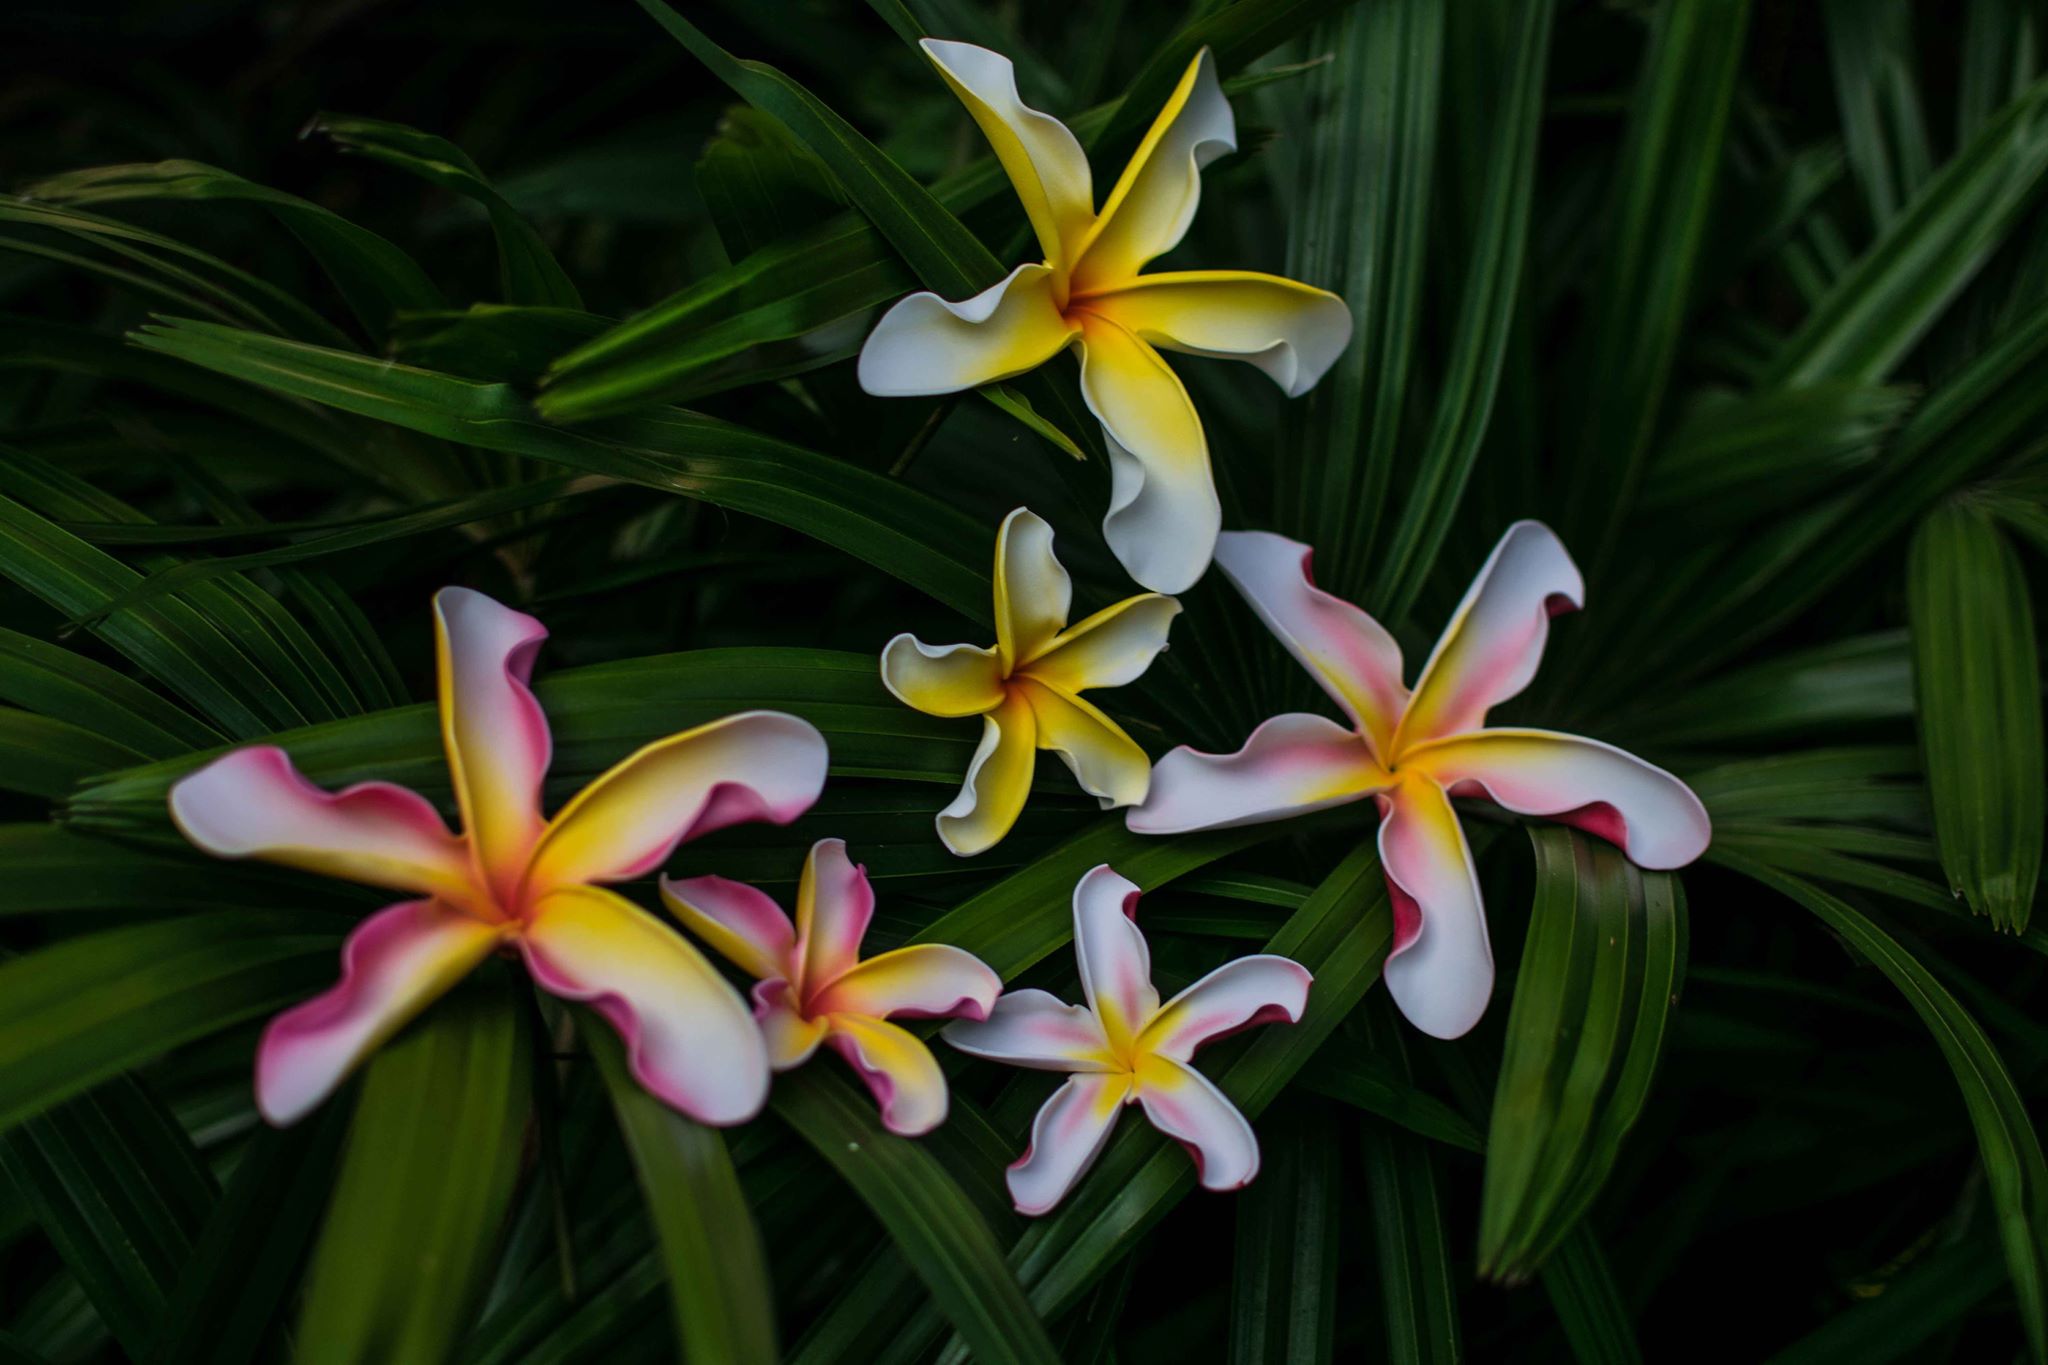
{"x":1978,"y":679}
{"x":1284,"y":1278}
{"x":1852,"y":680}
{"x":46,"y":758}
{"x":1872,"y":50}
{"x":433,"y":1153}
{"x":52,"y":869}
{"x":1417,"y":1291}
{"x":1374,"y":1084}
{"x":1925,"y":1302}
{"x":53,"y":681}
{"x":510,"y":343}
{"x":1589,"y":1306}
{"x":1018,"y":406}
{"x":1732,"y":459}
{"x":1603,"y":960}
{"x":718,"y":1281}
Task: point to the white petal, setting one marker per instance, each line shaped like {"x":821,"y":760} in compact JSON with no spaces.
{"x":1291,"y":765}
{"x":926,"y":345}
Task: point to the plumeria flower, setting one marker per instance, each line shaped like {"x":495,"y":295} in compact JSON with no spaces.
{"x":1088,"y":293}
{"x":1124,"y":1047}
{"x":513,"y":881}
{"x":1027,"y":687}
{"x":1413,"y":751}
{"x":814,"y":987}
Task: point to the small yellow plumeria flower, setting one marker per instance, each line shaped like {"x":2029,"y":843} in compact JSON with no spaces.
{"x":1027,"y":687}
{"x":1088,"y":293}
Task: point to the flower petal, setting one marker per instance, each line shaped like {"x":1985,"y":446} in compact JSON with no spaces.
{"x":757,"y":765}
{"x":1291,"y":765}
{"x":921,"y":981}
{"x":1043,"y":160}
{"x":1494,"y":642}
{"x":899,"y":1069}
{"x":1261,"y":989}
{"x":743,"y":923}
{"x":496,"y":736}
{"x":998,"y":781}
{"x":253,"y":804}
{"x":1116,"y":964}
{"x":1069,"y":1133}
{"x":1352,"y":656}
{"x":394,"y":964}
{"x":834,"y":904}
{"x":1154,"y":200}
{"x":1033,"y":592}
{"x":1186,"y":1106}
{"x":691,"y":1040}
{"x":925,"y":345}
{"x":1107,"y":763}
{"x":1292,"y":331}
{"x":947,"y":680}
{"x":1653,"y":816}
{"x":1036,"y":1030}
{"x":1440,"y":971}
{"x":1163,"y":512}
{"x":1110,"y":649}
{"x":791,"y":1037}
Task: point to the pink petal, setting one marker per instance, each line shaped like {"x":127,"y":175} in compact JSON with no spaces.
{"x":1440,"y":971}
{"x":253,"y":804}
{"x":1069,"y":1133}
{"x":1494,"y":642}
{"x":1262,"y":989}
{"x":1290,"y":766}
{"x":395,"y":963}
{"x":922,"y":981}
{"x":1351,"y":655}
{"x":899,"y":1070}
{"x":1653,"y":816}
{"x":1183,"y":1104}
{"x":1116,"y":966}
{"x":744,"y":924}
{"x":834,"y":904}
{"x":690,"y":1039}
{"x":1036,"y":1030}
{"x":497,"y":737}
{"x":757,"y":765}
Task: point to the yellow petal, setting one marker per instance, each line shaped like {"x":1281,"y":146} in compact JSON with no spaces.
{"x":1154,"y":200}
{"x":925,"y":345}
{"x":998,"y":781}
{"x":1107,"y":763}
{"x":942,"y":680}
{"x":1033,"y":593}
{"x":1044,"y":162}
{"x":496,"y":737}
{"x":899,"y":1070}
{"x":1111,"y":648}
{"x":1291,"y":331}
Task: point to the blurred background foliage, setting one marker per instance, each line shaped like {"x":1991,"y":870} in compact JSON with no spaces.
{"x":308,"y":309}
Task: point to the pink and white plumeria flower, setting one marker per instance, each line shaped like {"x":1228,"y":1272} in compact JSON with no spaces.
{"x":512,"y":880}
{"x":1124,"y":1047}
{"x":1089,"y":293}
{"x":1413,"y":751}
{"x":814,"y":986}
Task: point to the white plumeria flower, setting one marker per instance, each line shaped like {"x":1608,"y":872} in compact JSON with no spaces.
{"x":1088,"y":293}
{"x":1027,"y":687}
{"x":1413,"y":751}
{"x":1124,"y":1048}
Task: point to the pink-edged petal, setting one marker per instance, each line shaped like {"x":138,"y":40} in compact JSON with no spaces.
{"x":395,"y":963}
{"x":922,"y":981}
{"x":1440,"y":971}
{"x":1186,"y":1106}
{"x":253,"y":804}
{"x":691,"y":1040}
{"x":1653,"y":816}
{"x":998,"y":780}
{"x":496,"y":736}
{"x":1116,"y":964}
{"x":834,"y":904}
{"x":757,"y":765}
{"x":942,"y":680}
{"x":1291,"y":765}
{"x":927,"y":345}
{"x":1261,"y":989}
{"x":1038,"y":1031}
{"x":1491,"y":648}
{"x":1033,"y":592}
{"x":743,"y":923}
{"x":1348,"y":653}
{"x":790,"y":1035}
{"x":899,"y":1070}
{"x":1069,"y":1133}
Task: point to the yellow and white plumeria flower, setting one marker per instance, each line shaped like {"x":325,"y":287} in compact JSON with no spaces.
{"x":1027,"y":686}
{"x":513,"y":880}
{"x":1413,"y":751}
{"x":1124,"y":1047}
{"x":814,"y":986}
{"x":1088,"y":294}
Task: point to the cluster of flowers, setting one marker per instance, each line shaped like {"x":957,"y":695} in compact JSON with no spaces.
{"x":515,"y":882}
